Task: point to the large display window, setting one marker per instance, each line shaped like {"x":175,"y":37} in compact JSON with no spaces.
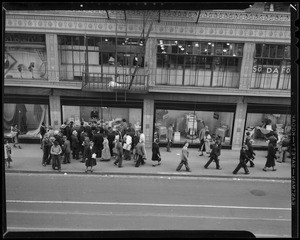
{"x":28,"y":117}
{"x":261,"y":125}
{"x":105,"y":116}
{"x":25,"y":56}
{"x":193,"y":63}
{"x":187,"y":124}
{"x":271,"y":67}
{"x":99,"y":56}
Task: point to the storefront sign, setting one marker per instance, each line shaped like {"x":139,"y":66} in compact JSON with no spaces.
{"x":276,"y":70}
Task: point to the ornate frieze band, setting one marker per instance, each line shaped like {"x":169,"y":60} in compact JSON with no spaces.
{"x":216,"y":27}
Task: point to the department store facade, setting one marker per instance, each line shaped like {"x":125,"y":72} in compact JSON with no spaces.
{"x":229,"y":70}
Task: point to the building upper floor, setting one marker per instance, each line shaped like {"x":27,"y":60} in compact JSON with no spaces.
{"x":221,"y":51}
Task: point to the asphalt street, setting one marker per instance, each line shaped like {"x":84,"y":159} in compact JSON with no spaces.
{"x":59,"y":202}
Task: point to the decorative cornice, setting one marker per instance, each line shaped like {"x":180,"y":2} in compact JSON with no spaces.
{"x":224,"y":16}
{"x":223,"y":25}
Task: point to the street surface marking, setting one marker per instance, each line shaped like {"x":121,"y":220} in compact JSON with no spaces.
{"x":148,"y":215}
{"x":146,"y":204}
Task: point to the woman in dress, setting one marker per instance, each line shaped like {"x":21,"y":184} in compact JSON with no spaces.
{"x":105,"y":156}
{"x":90,"y":157}
{"x":270,"y":157}
{"x":156,"y":153}
{"x":207,"y":141}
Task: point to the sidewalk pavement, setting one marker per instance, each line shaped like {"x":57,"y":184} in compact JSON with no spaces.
{"x":29,"y":160}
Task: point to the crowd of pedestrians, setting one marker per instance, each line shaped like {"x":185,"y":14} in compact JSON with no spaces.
{"x":88,"y":141}
{"x":85,"y":142}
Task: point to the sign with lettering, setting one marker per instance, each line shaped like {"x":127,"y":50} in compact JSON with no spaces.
{"x":271,"y":69}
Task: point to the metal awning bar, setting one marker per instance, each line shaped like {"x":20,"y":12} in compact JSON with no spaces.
{"x":107,"y":14}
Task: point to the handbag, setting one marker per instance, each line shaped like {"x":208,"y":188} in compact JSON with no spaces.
{"x":125,"y":146}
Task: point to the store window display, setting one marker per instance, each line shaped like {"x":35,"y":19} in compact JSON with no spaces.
{"x":261,"y":126}
{"x":28,"y":117}
{"x":187,"y":125}
{"x":116,"y":118}
{"x":25,"y":56}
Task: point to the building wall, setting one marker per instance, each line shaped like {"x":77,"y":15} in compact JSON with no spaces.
{"x":239,"y":26}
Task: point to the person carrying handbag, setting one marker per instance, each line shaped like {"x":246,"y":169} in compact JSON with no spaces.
{"x":156,"y":153}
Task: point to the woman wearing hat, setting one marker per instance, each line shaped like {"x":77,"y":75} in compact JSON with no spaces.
{"x":90,"y":156}
{"x":156,"y":153}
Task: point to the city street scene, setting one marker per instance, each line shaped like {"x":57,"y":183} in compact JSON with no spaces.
{"x":145,"y":119}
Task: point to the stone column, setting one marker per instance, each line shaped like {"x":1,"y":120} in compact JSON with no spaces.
{"x":55,"y":113}
{"x":150,"y":60}
{"x":239,"y":125}
{"x":52,"y":57}
{"x":247,"y":64}
{"x":148,"y":117}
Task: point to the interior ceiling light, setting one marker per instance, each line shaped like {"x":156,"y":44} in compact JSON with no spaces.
{"x":196,"y":45}
{"x":228,"y":43}
{"x":209,"y":43}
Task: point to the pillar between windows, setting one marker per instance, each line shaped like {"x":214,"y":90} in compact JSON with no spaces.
{"x":247,"y":64}
{"x":52,"y":57}
{"x":148,"y":118}
{"x":55,"y":112}
{"x":239,"y":125}
{"x":150,"y":59}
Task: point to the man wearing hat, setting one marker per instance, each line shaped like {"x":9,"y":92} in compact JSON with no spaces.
{"x":243,"y":159}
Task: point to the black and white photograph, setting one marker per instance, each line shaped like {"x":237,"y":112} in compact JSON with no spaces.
{"x":149,"y":119}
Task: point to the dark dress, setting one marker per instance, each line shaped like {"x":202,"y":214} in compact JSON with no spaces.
{"x":271,"y":156}
{"x":155,"y":152}
{"x":89,"y":161}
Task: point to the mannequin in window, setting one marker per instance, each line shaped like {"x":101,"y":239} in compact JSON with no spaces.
{"x":135,"y":60}
{"x":111,"y":60}
{"x":31,"y":67}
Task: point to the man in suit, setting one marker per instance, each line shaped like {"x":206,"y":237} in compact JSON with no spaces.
{"x":243,"y":159}
{"x":214,"y":155}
